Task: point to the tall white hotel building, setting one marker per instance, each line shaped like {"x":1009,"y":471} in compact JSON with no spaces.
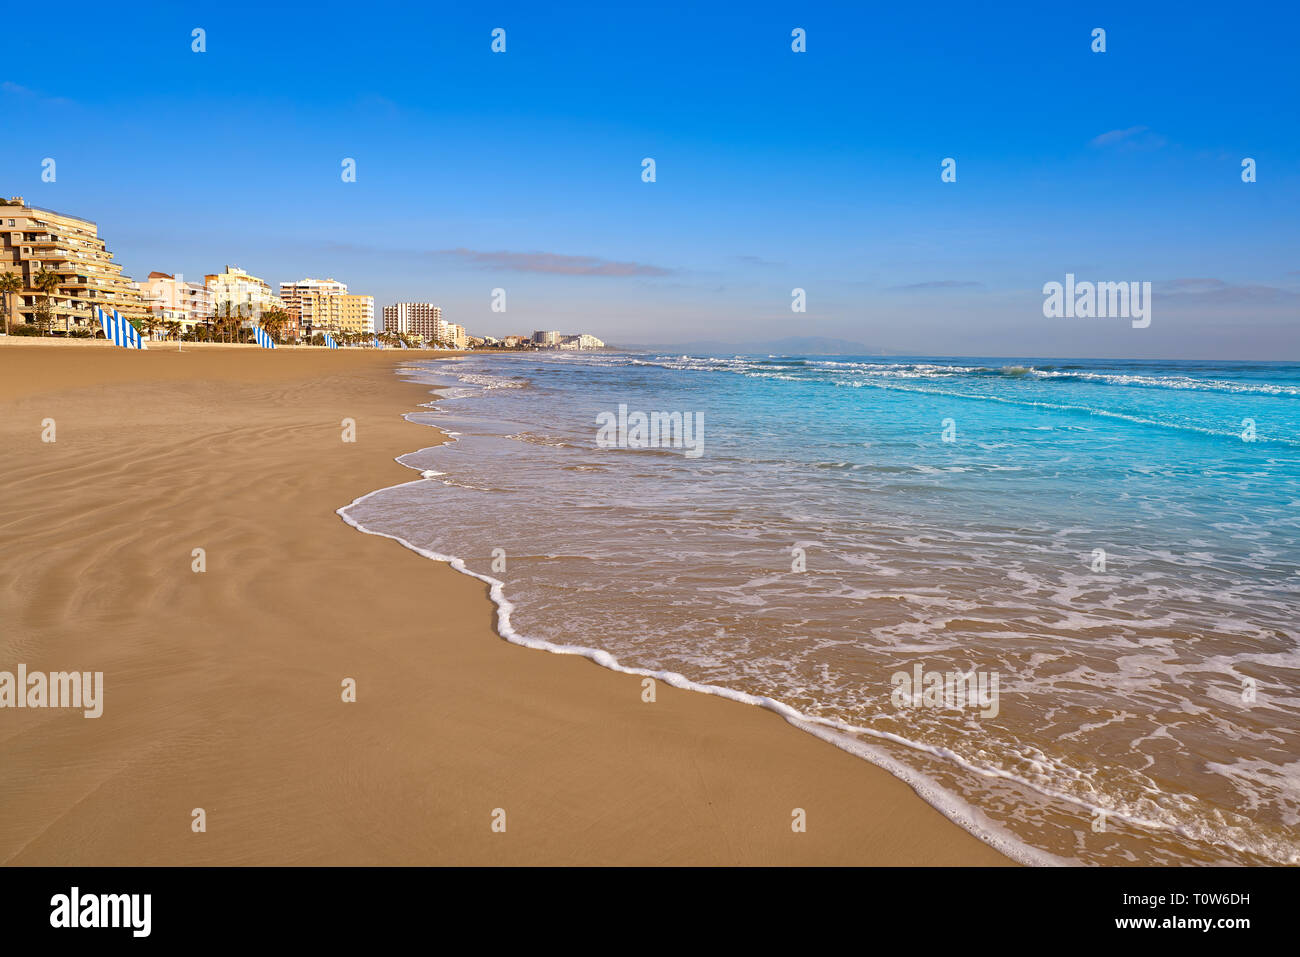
{"x":422,"y":319}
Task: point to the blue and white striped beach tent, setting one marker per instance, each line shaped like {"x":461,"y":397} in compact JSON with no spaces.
{"x":263,"y":340}
{"x":131,"y":338}
{"x":118,"y":331}
{"x":376,"y":342}
{"x":403,"y":342}
{"x":329,"y":341}
{"x":106,"y":323}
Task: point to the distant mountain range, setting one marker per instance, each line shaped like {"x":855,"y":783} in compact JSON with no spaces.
{"x":793,"y":345}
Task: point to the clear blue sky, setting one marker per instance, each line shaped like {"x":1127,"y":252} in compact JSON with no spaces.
{"x":775,"y":170}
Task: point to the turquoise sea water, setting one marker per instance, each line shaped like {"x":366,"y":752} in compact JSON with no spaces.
{"x":1118,"y":542}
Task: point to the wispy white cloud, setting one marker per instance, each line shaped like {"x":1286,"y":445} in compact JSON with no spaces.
{"x":1217,"y":291}
{"x":938,"y":284}
{"x":1135,"y":137}
{"x":554,"y":263}
{"x":23,"y":92}
{"x":758,"y":261}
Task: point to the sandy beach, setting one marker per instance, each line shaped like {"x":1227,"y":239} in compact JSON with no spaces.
{"x":222,"y":688}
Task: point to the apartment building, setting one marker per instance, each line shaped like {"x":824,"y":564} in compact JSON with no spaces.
{"x":357,"y":313}
{"x":325,"y":305}
{"x":245,"y":294}
{"x":582,"y":341}
{"x":422,"y":319}
{"x":546,"y":339}
{"x":37,"y":241}
{"x":311,"y":306}
{"x":172,"y":299}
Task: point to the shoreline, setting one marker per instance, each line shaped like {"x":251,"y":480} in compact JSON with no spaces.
{"x":450,"y":721}
{"x":836,"y":734}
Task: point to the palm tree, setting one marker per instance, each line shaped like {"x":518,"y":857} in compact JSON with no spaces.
{"x":10,"y":283}
{"x":274,"y":321}
{"x":227,"y":318}
{"x":48,"y":283}
{"x":137,"y":323}
{"x":42,"y":318}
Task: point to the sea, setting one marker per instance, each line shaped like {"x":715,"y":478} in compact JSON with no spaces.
{"x":1060,"y":598}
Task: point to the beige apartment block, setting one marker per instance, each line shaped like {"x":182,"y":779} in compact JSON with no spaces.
{"x":172,"y":299}
{"x":325,"y":305}
{"x":245,"y":294}
{"x":422,"y":319}
{"x":450,"y":335}
{"x":358,"y":313}
{"x":310,"y":305}
{"x":37,"y":240}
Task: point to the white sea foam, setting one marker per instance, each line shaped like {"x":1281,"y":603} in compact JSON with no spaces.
{"x":840,"y":734}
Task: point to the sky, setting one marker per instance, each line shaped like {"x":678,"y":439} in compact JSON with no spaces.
{"x":774,"y":169}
